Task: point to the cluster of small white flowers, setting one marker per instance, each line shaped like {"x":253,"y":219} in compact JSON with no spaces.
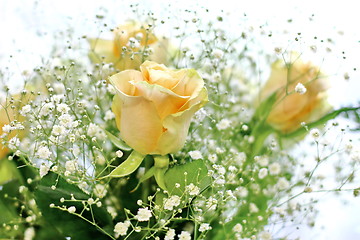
{"x":218,"y":53}
{"x":265,"y":235}
{"x":121,"y":228}
{"x":95,"y":131}
{"x":100,"y":190}
{"x":211,"y":204}
{"x":263,"y":173}
{"x":109,"y":115}
{"x":223,"y":124}
{"x":143,"y":214}
{"x":58,"y":130}
{"x":63,"y":108}
{"x":238,"y":228}
{"x":70,"y":167}
{"x":282,"y":184}
{"x":14,"y":143}
{"x":25,"y":110}
{"x":43,"y":152}
{"x":170,"y":203}
{"x":274,"y":168}
{"x":315,"y":133}
{"x":72,"y":209}
{"x":184,"y":235}
{"x":195,"y":155}
{"x":44,"y":169}
{"x":112,"y":211}
{"x":300,"y":88}
{"x":192,"y":189}
{"x":46,"y":109}
{"x":170,"y":235}
{"x":204,"y":227}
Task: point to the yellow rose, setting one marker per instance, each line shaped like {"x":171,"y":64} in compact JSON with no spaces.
{"x":154,"y":106}
{"x":299,"y":105}
{"x":134,"y":37}
{"x":7,"y":115}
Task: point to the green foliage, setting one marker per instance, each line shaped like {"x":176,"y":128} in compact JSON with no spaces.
{"x":194,"y":172}
{"x":97,"y":219}
{"x":117,"y":141}
{"x":129,"y":166}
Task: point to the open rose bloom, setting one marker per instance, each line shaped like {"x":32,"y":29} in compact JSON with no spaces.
{"x":154,"y":106}
{"x":131,"y":44}
{"x":292,"y":108}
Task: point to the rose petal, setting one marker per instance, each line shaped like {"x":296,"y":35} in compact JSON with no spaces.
{"x":123,"y":82}
{"x":140,"y":124}
{"x":176,"y":127}
{"x":166,"y":102}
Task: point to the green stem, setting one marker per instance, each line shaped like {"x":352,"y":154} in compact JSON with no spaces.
{"x":146,"y":183}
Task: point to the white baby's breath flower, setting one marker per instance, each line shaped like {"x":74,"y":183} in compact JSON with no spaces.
{"x":264,"y":235}
{"x":263,"y":173}
{"x":43,"y":152}
{"x":204,"y":227}
{"x":57,"y":98}
{"x":14,"y":143}
{"x":46,"y":109}
{"x":63,"y":108}
{"x":121,"y":228}
{"x":100,"y":190}
{"x":211,"y":204}
{"x":315,"y":133}
{"x":71,"y":166}
{"x":95,"y":131}
{"x":195,"y":155}
{"x":143,"y":214}
{"x":184,"y":235}
{"x":58,"y":130}
{"x":72,"y":209}
{"x":192,"y":189}
{"x":253,"y":208}
{"x":112,"y":211}
{"x":7,"y":128}
{"x":25,"y":109}
{"x":238,"y":228}
{"x":223,"y":124}
{"x":44,"y":169}
{"x":119,"y":153}
{"x":109,"y":115}
{"x":170,"y":203}
{"x":300,"y":88}
{"x":212,"y":158}
{"x":66,"y":120}
{"x":59,"y":88}
{"x":170,"y":234}
{"x":274,"y":168}
{"x":218,"y":53}
{"x":282,"y":183}
{"x":29,"y":233}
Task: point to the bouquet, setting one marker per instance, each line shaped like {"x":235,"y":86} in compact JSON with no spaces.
{"x":143,"y":135}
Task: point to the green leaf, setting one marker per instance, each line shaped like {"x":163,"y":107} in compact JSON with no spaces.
{"x":148,"y":174}
{"x":159,"y":177}
{"x":118,"y":142}
{"x":194,"y":172}
{"x":8,"y":171}
{"x":67,"y":224}
{"x":321,"y":121}
{"x":9,"y":210}
{"x":128,"y":166}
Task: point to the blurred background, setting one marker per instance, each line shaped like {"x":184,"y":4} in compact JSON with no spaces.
{"x":28,"y":28}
